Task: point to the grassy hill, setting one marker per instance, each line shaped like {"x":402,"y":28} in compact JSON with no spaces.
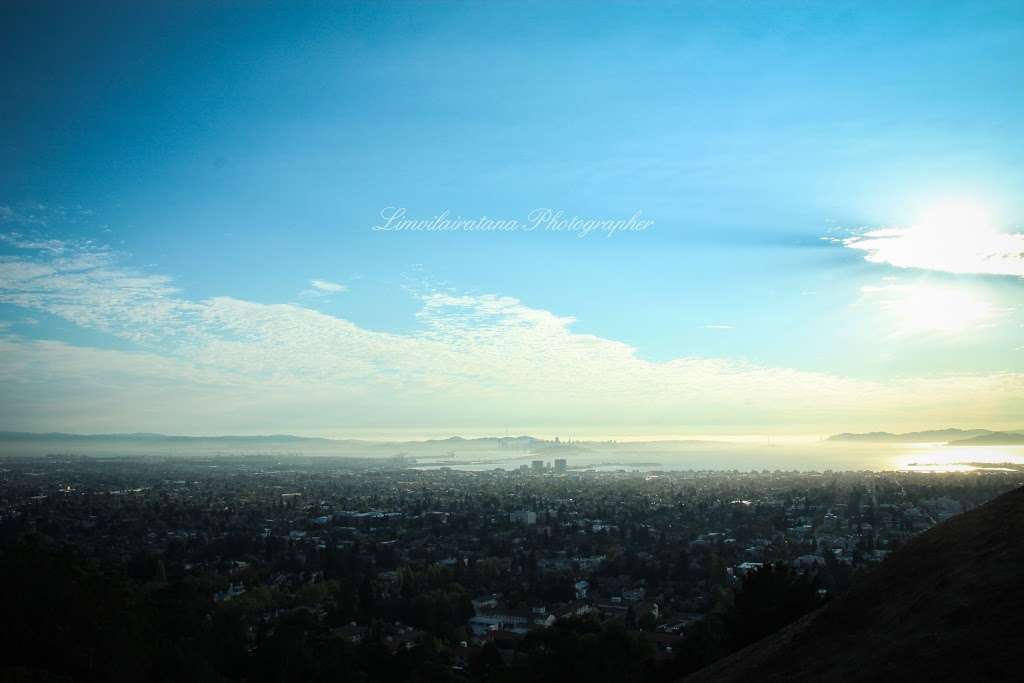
{"x":949,"y":606}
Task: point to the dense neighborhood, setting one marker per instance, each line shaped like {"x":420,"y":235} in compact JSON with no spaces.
{"x":276,"y":568}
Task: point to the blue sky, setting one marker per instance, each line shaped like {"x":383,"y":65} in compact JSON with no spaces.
{"x":196,"y":157}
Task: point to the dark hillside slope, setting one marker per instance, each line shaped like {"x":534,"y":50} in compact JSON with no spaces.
{"x":949,"y":606}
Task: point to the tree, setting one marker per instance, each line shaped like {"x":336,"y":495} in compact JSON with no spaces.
{"x":771,"y":597}
{"x":486,"y":662}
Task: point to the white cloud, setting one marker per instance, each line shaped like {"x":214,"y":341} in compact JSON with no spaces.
{"x":952,"y":238}
{"x":719,"y":327}
{"x":226,"y":364}
{"x":327,"y":286}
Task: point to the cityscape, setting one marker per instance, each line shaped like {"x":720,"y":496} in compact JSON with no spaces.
{"x":268,"y":568}
{"x":469,"y":341}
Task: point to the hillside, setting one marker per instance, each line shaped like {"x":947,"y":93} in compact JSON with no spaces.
{"x":993,"y":439}
{"x":930,"y":436}
{"x":948,"y":606}
{"x":28,"y":443}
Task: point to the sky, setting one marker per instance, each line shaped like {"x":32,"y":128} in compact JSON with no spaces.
{"x":717,"y":218}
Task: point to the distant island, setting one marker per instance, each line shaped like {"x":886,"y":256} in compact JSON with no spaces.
{"x":992,"y":439}
{"x":950,"y":437}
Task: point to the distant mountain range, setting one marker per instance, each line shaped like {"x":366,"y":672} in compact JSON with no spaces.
{"x":29,"y":443}
{"x":945,"y":607}
{"x":959,"y":437}
{"x":268,"y":438}
{"x":147,"y":437}
{"x":163,"y":444}
{"x":993,"y":439}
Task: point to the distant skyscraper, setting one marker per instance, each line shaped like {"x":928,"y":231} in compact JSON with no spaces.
{"x":560,"y":466}
{"x":538,"y":466}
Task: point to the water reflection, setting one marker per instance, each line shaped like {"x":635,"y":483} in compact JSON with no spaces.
{"x":820,"y":457}
{"x":938,"y":458}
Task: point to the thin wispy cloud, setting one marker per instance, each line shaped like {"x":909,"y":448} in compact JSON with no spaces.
{"x":321,"y":289}
{"x":327,"y":286}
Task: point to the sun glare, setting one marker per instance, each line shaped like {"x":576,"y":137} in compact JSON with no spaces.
{"x":957,"y":219}
{"x":920,"y":308}
{"x":949,"y":310}
{"x":958,"y":236}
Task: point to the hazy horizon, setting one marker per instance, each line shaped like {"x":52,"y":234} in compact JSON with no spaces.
{"x":564,"y":436}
